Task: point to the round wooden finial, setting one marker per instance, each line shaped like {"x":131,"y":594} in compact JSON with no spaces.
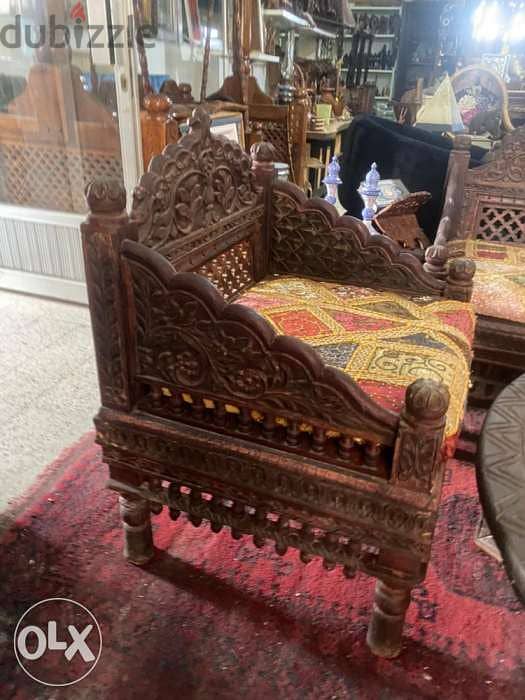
{"x":427,"y":399}
{"x":157,"y":103}
{"x":462,"y":270}
{"x":263,"y":152}
{"x":106,"y":196}
{"x":461,"y":142}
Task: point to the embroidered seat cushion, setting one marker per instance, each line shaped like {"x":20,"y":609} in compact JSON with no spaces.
{"x":383,"y":340}
{"x":499,"y":282}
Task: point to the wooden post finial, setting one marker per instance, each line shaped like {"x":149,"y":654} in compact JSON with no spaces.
{"x":106,"y":198}
{"x":420,"y":437}
{"x":460,"y":279}
{"x":263,"y":158}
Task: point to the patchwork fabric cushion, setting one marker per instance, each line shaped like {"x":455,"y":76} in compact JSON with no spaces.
{"x":499,"y":282}
{"x":383,"y":340}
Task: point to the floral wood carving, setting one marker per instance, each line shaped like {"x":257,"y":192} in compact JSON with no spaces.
{"x":194,"y":184}
{"x":188,"y":337}
{"x":308,"y":238}
{"x":102,"y":233}
{"x":508,"y":163}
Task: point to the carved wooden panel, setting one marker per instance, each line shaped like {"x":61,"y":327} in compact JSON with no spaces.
{"x":504,"y":224}
{"x":309,"y":239}
{"x":189,"y":340}
{"x":231,"y":271}
{"x":493,"y":204}
{"x":196,"y":249}
{"x":276,"y":133}
{"x":192,"y":187}
{"x":367,"y":517}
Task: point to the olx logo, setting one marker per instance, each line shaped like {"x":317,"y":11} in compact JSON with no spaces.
{"x":57,"y":642}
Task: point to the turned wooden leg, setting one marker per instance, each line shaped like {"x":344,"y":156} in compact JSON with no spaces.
{"x":138,"y":538}
{"x":386,"y":626}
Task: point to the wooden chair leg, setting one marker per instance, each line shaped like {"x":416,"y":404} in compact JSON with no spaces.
{"x":385,"y":630}
{"x":136,"y":521}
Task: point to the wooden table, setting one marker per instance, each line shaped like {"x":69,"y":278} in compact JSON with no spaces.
{"x":328,"y":142}
{"x":501,"y":479}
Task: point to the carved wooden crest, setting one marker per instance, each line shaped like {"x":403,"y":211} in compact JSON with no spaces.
{"x":193,"y":185}
{"x":508,"y":164}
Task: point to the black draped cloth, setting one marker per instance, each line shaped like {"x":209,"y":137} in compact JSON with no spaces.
{"x":417,"y":157}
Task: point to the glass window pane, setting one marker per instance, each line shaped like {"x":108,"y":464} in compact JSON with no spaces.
{"x":58,"y":110}
{"x":174,"y":47}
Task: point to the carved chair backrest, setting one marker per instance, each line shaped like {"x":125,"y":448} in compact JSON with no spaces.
{"x":54,"y":139}
{"x":488,"y":202}
{"x":200,"y":207}
{"x":284,"y":126}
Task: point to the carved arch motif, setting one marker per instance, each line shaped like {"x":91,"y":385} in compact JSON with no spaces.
{"x":308,"y":238}
{"x":193,"y":185}
{"x":507,"y":165}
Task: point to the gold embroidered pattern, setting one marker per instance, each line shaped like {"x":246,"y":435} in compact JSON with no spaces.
{"x":383,"y":340}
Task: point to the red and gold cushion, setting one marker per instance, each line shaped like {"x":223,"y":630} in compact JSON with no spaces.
{"x":383,"y":340}
{"x":499,"y":282}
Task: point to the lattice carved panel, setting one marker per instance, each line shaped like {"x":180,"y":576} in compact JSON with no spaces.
{"x":232,"y":271}
{"x":35,"y":175}
{"x":278,"y":134}
{"x":503,"y":224}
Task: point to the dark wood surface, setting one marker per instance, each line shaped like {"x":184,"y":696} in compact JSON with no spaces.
{"x":501,"y":479}
{"x":203,"y":405}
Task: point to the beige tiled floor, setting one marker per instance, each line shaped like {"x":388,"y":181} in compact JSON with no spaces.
{"x":48,"y":387}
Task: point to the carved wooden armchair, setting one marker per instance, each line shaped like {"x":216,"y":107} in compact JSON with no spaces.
{"x":484,"y":218}
{"x":333,"y":441}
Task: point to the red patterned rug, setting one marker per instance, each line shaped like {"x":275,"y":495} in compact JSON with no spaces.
{"x":214,"y":618}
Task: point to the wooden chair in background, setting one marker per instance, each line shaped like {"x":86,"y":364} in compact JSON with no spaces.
{"x":484,"y":218}
{"x":408,"y":106}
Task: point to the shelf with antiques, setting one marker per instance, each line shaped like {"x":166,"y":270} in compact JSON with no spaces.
{"x":284,"y":124}
{"x":380,"y":27}
{"x":313,"y":33}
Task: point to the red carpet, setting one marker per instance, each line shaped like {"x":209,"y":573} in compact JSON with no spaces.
{"x":215,"y":618}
